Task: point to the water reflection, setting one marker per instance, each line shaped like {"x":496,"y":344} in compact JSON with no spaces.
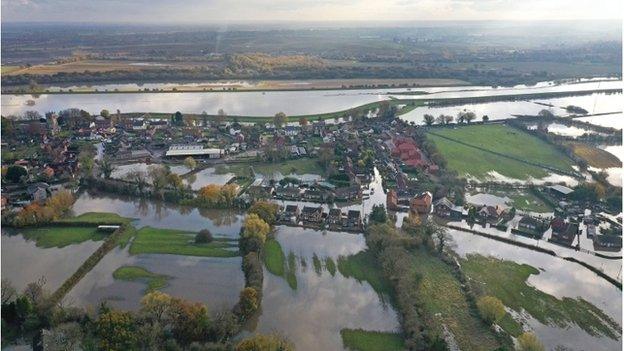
{"x":23,"y":262}
{"x":213,"y":281}
{"x":559,"y":278}
{"x":313,"y":314}
{"x":223,"y":222}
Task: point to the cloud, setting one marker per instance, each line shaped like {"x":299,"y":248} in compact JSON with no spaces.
{"x":203,"y":11}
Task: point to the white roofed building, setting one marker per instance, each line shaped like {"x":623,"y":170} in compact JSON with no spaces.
{"x":193,"y":150}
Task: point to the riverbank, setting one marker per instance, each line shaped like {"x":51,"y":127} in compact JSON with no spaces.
{"x":238,"y":86}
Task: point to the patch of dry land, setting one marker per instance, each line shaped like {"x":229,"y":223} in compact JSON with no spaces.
{"x":596,"y":157}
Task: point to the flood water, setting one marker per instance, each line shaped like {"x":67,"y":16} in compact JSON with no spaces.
{"x":593,"y":103}
{"x":23,"y":262}
{"x":162,"y":215}
{"x":313,"y":314}
{"x":559,"y":278}
{"x":264,"y":103}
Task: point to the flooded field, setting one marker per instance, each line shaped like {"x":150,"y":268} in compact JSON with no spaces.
{"x":594,"y":103}
{"x":290,"y":102}
{"x":559,"y":278}
{"x":162,"y":215}
{"x":324,"y":302}
{"x":23,"y":262}
{"x":213,"y":281}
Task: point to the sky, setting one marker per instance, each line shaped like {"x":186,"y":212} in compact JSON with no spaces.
{"x":215,"y":11}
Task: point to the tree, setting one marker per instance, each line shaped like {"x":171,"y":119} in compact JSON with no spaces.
{"x":469,"y":116}
{"x":260,"y":342}
{"x":191,"y":321}
{"x":210,"y":193}
{"x":159,"y":175}
{"x":177,"y":119}
{"x":138,"y":178}
{"x":265,"y":210}
{"x":491,"y":309}
{"x":440,"y":119}
{"x":190,"y":163}
{"x":280,"y":119}
{"x":106,"y":167}
{"x":14,"y":173}
{"x":529,"y":342}
{"x":255,"y":227}
{"x":429,"y":119}
{"x":485,"y":118}
{"x":248,"y":301}
{"x":546,"y":114}
{"x":221,"y":116}
{"x":378,"y":214}
{"x":203,"y":237}
{"x":105,"y":113}
{"x":448,"y":119}
{"x":115,"y":331}
{"x":303,"y":121}
{"x":326,"y":155}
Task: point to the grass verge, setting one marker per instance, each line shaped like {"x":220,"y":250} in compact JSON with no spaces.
{"x":444,"y":304}
{"x":61,"y":236}
{"x":364,"y":340}
{"x":134,"y":273}
{"x":507,"y":281}
{"x":363,"y":267}
{"x":176,"y":242}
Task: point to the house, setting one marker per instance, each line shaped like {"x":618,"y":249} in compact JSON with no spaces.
{"x":421,"y":203}
{"x":446,"y":209}
{"x":290,"y":214}
{"x":288,"y":193}
{"x":38,"y":192}
{"x":490,"y":213}
{"x":563,"y":233}
{"x":560,"y":190}
{"x":354,"y":220}
{"x":194,"y":150}
{"x":608,"y":243}
{"x":311,"y":214}
{"x":335,"y":217}
{"x":316,"y":195}
{"x":350,"y":193}
{"x":531,"y":227}
{"x":590,"y":231}
{"x":291,"y":131}
{"x":294,"y":151}
{"x":139,"y":124}
{"x":392,"y":200}
{"x":101,"y":123}
{"x":159,"y":123}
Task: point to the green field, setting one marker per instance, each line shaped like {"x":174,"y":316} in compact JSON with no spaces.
{"x":61,"y":236}
{"x":364,"y":340}
{"x":176,"y":242}
{"x":364,"y":267}
{"x":444,"y":303}
{"x":507,"y":281}
{"x":278,"y":264}
{"x":467,"y":160}
{"x":274,"y":258}
{"x":134,"y":273}
{"x":100,"y":218}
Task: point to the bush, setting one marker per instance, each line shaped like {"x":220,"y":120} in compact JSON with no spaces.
{"x":529,"y":342}
{"x":491,"y":309}
{"x":203,"y":237}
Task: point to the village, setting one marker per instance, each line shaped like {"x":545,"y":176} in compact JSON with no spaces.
{"x":57,"y":151}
